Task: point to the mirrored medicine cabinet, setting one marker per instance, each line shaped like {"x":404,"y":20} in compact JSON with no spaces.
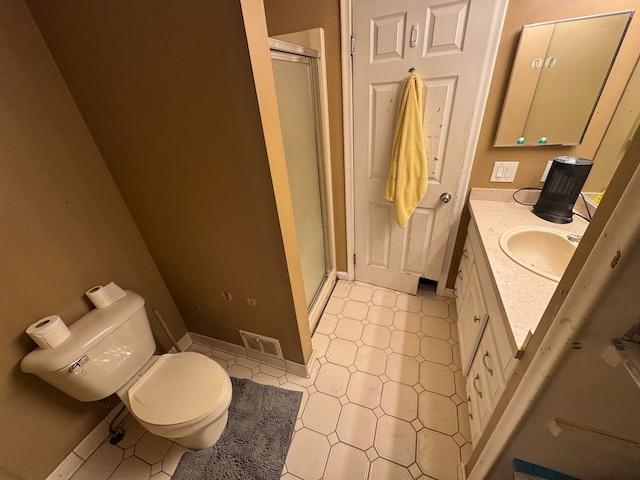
{"x":558,"y":74}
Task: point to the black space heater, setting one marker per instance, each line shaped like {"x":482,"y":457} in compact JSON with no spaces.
{"x":561,"y":189}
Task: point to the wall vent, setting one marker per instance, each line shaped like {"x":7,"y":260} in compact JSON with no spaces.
{"x":261,"y":344}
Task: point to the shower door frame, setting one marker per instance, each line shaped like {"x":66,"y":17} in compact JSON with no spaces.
{"x":286,"y":51}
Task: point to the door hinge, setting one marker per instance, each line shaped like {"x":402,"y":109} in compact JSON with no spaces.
{"x":353,"y":46}
{"x":354,"y":258}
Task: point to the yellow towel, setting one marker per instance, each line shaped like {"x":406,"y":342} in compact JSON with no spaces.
{"x":408,"y":178}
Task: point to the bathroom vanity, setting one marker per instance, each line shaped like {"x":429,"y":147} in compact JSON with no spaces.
{"x":499,"y":302}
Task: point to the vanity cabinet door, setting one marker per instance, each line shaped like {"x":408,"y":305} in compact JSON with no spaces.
{"x":479,"y":397}
{"x":467,"y":252}
{"x":472,"y":318}
{"x":489,"y":362}
{"x":462,"y":285}
{"x":474,"y":417}
{"x":505,"y":348}
{"x":467,"y":262}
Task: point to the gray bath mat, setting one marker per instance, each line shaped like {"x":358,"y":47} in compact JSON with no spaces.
{"x":256,"y":441}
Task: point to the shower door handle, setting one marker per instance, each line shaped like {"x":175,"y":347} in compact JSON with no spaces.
{"x":445,"y":197}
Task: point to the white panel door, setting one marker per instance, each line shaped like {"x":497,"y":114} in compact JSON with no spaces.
{"x":445,"y":41}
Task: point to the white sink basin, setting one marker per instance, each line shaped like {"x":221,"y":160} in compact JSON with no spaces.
{"x":545,"y":251}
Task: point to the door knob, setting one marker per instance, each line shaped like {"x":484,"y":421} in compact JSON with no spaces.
{"x":445,"y":197}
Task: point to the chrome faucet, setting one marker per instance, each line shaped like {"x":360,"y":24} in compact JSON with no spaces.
{"x":574,"y":237}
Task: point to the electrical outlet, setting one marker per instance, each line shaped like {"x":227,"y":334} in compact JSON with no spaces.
{"x":546,"y":171}
{"x":504,"y":171}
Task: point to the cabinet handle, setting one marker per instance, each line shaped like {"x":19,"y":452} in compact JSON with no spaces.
{"x":484,"y":362}
{"x":476,"y":378}
{"x":469,"y":407}
{"x":460,"y":274}
{"x":476,"y":318}
{"x":465,"y":253}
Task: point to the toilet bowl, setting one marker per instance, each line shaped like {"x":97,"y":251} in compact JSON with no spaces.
{"x":184,"y":397}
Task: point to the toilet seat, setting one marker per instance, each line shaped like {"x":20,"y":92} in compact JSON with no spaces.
{"x":180,"y":390}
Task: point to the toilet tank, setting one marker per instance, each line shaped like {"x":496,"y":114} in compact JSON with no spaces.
{"x":106,"y":348}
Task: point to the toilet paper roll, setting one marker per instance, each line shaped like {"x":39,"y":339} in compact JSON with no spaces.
{"x":49,"y":332}
{"x":103,"y":296}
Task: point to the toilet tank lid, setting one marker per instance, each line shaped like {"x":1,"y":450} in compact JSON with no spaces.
{"x":86,"y":332}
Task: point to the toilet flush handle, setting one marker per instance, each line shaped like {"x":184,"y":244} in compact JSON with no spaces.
{"x":73,"y":368}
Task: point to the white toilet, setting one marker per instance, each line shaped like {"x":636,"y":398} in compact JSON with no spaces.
{"x":184,"y":396}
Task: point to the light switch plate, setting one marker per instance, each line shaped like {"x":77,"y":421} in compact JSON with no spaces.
{"x":543,"y":178}
{"x":504,"y":171}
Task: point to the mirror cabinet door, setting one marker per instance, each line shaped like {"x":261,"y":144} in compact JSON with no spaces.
{"x":532,"y":51}
{"x":559,"y":72}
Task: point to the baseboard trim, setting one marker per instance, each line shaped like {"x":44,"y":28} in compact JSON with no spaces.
{"x":70,"y":465}
{"x":234,"y":349}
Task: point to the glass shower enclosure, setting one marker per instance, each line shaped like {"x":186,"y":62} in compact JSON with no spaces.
{"x":295,"y":70}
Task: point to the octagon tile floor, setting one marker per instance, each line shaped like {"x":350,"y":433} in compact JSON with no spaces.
{"x":384,"y":400}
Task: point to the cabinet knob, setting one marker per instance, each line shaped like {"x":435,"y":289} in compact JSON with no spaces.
{"x":475,"y":387}
{"x":476,"y":318}
{"x":460,"y":274}
{"x":484,"y":362}
{"x":465,"y":253}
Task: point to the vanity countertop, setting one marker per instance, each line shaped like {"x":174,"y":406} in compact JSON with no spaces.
{"x":523,"y":293}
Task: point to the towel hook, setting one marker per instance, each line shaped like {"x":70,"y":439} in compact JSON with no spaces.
{"x":412,"y":69}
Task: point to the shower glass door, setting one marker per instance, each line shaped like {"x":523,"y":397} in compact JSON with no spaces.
{"x":295,"y":79}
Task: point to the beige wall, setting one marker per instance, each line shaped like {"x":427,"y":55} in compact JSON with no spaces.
{"x":287,"y":16}
{"x":533,"y":159}
{"x":168,"y":92}
{"x":65,"y":228}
